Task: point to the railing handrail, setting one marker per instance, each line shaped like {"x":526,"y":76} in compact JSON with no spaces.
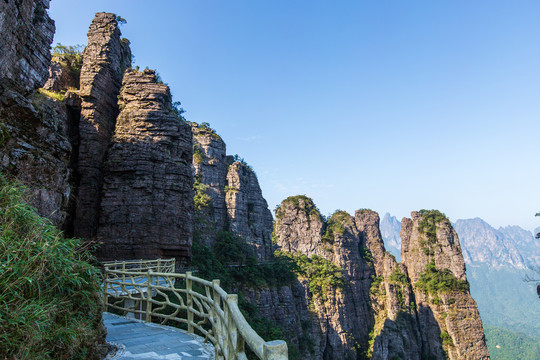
{"x":227,"y":321}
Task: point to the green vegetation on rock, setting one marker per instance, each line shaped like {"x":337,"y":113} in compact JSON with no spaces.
{"x":336,"y":225}
{"x":309,"y":207}
{"x":434,"y":281}
{"x":202,"y":200}
{"x":324,"y":277}
{"x":50,"y":305}
{"x":69,"y":56}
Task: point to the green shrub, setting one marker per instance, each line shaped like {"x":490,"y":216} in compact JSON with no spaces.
{"x":309,"y":206}
{"x":70,"y":56}
{"x":433,"y":281}
{"x":374,"y":288}
{"x":198,"y":154}
{"x":336,"y":225}
{"x":49,"y":295}
{"x":398,"y":277}
{"x":324,"y":277}
{"x":201,"y":199}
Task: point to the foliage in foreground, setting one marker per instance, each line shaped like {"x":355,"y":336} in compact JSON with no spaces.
{"x":49,"y":294}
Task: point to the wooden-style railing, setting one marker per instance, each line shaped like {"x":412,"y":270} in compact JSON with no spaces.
{"x":152,"y":291}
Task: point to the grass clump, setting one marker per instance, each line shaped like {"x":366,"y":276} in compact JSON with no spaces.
{"x":52,"y":94}
{"x":49,"y":294}
{"x":434,"y":281}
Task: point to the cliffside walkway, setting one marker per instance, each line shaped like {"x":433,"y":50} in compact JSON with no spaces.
{"x":151,"y":294}
{"x":138,"y":340}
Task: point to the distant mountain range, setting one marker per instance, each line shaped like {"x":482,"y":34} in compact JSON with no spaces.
{"x":497,"y":262}
{"x":509,"y":246}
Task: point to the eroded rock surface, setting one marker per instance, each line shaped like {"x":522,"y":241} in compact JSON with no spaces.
{"x":27,"y":33}
{"x":248,"y":213}
{"x":147,"y":203}
{"x":104,"y":60}
{"x":448,"y":316}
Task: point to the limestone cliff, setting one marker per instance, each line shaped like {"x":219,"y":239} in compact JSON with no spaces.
{"x":235,"y":200}
{"x":370,"y":315}
{"x":27,"y":33}
{"x":247,"y":210}
{"x":104,"y":60}
{"x":33,"y":128}
{"x":147,"y":203}
{"x":210,"y":171}
{"x":447,"y":314}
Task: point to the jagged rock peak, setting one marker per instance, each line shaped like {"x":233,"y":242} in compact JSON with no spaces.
{"x":448,"y":316}
{"x":248,"y":213}
{"x":104,"y":60}
{"x":147,"y":204}
{"x":27,"y":33}
{"x":299,"y":226}
{"x":210,"y":170}
{"x":429,"y":237}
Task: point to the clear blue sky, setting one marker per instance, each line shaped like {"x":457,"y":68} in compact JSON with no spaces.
{"x":389,"y":105}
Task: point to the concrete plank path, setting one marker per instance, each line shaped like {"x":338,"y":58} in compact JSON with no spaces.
{"x":145,"y":341}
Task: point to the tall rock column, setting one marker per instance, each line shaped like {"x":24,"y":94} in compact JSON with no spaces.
{"x":147,"y":203}
{"x":248,"y":213}
{"x":395,"y":333}
{"x":449,"y":320}
{"x":104,"y":60}
{"x":210,"y":168}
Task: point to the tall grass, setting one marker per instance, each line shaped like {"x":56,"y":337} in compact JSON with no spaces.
{"x":49,"y":295}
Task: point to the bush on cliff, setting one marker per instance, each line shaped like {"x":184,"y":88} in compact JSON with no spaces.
{"x":49,"y":295}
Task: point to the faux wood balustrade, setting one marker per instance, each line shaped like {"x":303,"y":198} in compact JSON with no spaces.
{"x":152,"y":291}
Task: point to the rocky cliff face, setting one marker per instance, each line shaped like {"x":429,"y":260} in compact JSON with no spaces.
{"x":370,"y":314}
{"x":247,"y":210}
{"x":27,"y":33}
{"x":147,"y":202}
{"x":447,"y":314}
{"x":33,"y":128}
{"x":236,"y":202}
{"x":210,"y":169}
{"x":383,"y":309}
{"x":104,"y":60}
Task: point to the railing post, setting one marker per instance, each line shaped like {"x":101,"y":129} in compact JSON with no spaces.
{"x":148,"y":317}
{"x":275,"y":350}
{"x":232,"y":334}
{"x":216,"y":326}
{"x":106,"y":294}
{"x":189,"y":288}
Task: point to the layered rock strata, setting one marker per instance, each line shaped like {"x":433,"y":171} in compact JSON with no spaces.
{"x":33,"y":128}
{"x":104,"y":60}
{"x":247,"y":210}
{"x":210,"y":169}
{"x":236,"y":200}
{"x":448,"y":316}
{"x":343,"y":315}
{"x":27,"y":33}
{"x":147,"y":202}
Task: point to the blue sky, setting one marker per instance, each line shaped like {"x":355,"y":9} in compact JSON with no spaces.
{"x":389,"y":105}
